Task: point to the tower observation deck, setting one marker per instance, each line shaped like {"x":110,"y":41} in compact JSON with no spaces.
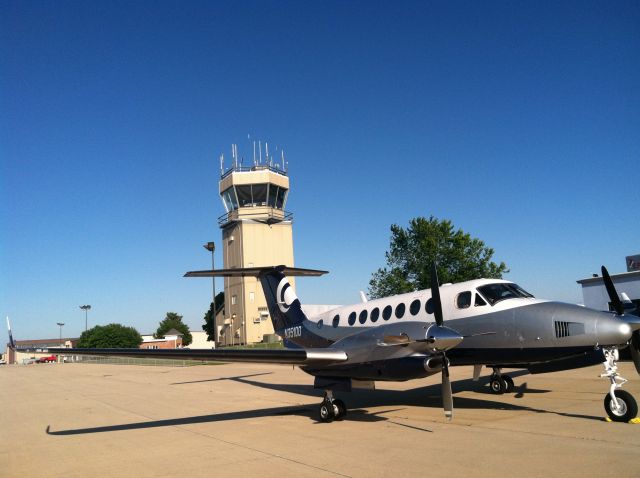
{"x":256,"y":231}
{"x":257,"y":193}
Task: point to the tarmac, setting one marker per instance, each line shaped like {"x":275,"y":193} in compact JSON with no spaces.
{"x":242,"y":420}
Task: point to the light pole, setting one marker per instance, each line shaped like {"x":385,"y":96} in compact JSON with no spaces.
{"x":60,"y":324}
{"x":211,"y":247}
{"x":85,"y":308}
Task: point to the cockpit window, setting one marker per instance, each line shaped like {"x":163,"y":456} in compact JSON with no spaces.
{"x":479,"y":301}
{"x":494,"y":293}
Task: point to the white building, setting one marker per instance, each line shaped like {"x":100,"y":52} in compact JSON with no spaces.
{"x":595,"y":295}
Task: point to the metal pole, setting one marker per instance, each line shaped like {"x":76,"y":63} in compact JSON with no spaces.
{"x":215,"y":309}
{"x":211,"y":246}
{"x":60,"y":324}
{"x":86,"y":308}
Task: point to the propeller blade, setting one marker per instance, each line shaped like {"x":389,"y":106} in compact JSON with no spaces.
{"x":611,"y":290}
{"x":435,"y":295}
{"x":634,"y":346}
{"x":447,"y":398}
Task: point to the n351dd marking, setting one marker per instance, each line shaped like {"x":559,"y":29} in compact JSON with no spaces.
{"x":293,"y":332}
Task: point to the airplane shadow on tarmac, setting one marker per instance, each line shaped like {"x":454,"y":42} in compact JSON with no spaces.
{"x":357,"y":401}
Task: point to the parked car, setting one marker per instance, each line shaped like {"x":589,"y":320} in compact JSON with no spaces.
{"x":47,"y":359}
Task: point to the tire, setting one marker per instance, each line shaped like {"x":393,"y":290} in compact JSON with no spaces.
{"x":326,"y":413}
{"x":498,"y":385}
{"x":340,"y":409}
{"x":509,"y":382}
{"x":628,"y":406}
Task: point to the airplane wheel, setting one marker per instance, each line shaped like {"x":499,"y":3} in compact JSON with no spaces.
{"x":326,"y":413}
{"x":498,"y":385}
{"x":339,"y":409}
{"x":628,"y":406}
{"x":509,"y":382}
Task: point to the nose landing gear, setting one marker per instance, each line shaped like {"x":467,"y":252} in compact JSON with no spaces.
{"x":619,"y":404}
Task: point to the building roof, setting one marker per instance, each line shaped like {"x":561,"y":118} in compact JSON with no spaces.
{"x":621,"y":276}
{"x":174,"y":332}
{"x":44,"y":342}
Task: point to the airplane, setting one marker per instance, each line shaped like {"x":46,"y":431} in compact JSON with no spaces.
{"x":490,"y":323}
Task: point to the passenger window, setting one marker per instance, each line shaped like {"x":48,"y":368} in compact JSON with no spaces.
{"x":479,"y":301}
{"x":400,"y":310}
{"x":363,"y":316}
{"x":463,"y":300}
{"x":352,"y":318}
{"x":375,"y":313}
{"x":320,"y":323}
{"x":428,"y":307}
{"x":386,"y":313}
{"x":336,"y":321}
{"x":414,"y":308}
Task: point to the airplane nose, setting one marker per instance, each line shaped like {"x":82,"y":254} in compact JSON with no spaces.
{"x":612,"y":331}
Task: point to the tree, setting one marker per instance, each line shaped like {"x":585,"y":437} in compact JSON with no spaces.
{"x":174,"y":321}
{"x":209,"y":325}
{"x":412,"y":251}
{"x":110,"y":336}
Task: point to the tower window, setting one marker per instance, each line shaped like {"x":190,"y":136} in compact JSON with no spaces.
{"x":244,"y":195}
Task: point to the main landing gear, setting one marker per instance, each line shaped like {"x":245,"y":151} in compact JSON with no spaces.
{"x":331,"y":408}
{"x":500,"y":383}
{"x":619,"y":405}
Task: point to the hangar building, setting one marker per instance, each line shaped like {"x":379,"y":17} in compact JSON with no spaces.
{"x":595,"y":295}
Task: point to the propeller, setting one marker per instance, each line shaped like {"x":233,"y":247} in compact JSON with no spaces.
{"x":447,"y":396}
{"x":611,"y":290}
{"x":618,"y":306}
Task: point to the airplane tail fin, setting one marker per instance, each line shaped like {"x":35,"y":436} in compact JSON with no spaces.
{"x":284,"y":306}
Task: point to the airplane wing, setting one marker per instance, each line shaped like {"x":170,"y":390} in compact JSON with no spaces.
{"x":277,"y":356}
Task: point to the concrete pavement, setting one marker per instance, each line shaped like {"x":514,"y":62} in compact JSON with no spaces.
{"x":247,"y":420}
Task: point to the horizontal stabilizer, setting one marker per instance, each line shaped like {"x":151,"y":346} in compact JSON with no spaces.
{"x":256,"y":272}
{"x":279,"y":356}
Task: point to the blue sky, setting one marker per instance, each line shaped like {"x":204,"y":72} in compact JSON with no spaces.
{"x":519,"y":121}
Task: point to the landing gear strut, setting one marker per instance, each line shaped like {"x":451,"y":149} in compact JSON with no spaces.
{"x":619,"y":405}
{"x":500,"y":383}
{"x":331,"y":408}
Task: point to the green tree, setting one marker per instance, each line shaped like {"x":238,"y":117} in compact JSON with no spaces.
{"x":174,"y":321}
{"x":412,"y":251}
{"x":109,"y":337}
{"x":209,"y":326}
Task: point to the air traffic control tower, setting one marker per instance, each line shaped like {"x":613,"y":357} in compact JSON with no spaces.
{"x":256,"y":231}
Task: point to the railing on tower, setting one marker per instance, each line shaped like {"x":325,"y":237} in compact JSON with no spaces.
{"x":266,"y":215}
{"x":259,"y":167}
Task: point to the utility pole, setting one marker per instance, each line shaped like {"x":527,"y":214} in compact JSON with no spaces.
{"x":60,"y":324}
{"x":85,"y":308}
{"x":211,"y":247}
